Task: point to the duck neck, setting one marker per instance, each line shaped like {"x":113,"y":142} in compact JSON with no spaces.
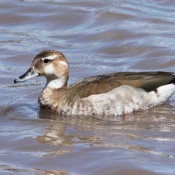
{"x":52,"y":93}
{"x":56,"y":83}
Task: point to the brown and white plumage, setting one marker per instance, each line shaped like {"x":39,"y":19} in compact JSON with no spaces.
{"x":109,"y":94}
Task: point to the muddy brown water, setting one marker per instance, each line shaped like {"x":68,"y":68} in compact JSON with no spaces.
{"x":97,"y":37}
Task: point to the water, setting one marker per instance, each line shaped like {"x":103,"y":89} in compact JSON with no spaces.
{"x":97,"y":37}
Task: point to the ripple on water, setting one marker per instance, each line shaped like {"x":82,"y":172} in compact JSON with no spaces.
{"x":96,"y":37}
{"x":20,"y":170}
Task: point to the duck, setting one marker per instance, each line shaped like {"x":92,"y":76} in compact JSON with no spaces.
{"x":116,"y":93}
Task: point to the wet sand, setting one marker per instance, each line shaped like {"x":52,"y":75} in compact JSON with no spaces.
{"x":96,"y":37}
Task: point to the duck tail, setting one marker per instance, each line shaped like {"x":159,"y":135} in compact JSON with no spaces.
{"x":173,"y":80}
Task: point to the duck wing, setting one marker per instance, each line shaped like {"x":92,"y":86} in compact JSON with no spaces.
{"x":148,"y":81}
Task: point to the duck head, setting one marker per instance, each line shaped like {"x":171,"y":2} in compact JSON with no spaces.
{"x":51,"y":64}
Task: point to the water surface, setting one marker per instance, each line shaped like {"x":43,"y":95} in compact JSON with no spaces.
{"x":97,"y":37}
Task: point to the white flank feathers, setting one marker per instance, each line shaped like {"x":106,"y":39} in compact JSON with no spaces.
{"x":122,"y":100}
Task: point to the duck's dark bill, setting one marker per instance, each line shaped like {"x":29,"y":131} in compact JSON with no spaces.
{"x":28,"y":75}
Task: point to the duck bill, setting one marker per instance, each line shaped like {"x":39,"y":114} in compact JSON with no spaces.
{"x":28,"y":75}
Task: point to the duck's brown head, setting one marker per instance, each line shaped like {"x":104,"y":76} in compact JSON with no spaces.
{"x":51,"y":64}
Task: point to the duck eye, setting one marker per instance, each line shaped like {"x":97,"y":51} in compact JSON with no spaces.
{"x":46,"y":60}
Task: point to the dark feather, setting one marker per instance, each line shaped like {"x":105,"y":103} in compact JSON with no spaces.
{"x":148,"y":81}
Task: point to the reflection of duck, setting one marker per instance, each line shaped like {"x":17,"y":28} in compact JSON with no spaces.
{"x":54,"y":134}
{"x":65,"y":131}
{"x":113,"y":94}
